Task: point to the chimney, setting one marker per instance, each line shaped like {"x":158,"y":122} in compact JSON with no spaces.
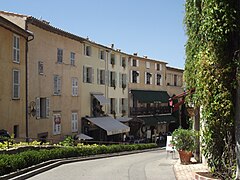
{"x":135,"y":54}
{"x":112,"y":46}
{"x":145,"y":57}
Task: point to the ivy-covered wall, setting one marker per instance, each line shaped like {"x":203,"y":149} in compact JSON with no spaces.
{"x":212,"y":27}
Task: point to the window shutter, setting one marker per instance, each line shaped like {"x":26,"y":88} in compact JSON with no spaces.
{"x":155,"y":79}
{"x":120,"y":105}
{"x":120,"y":61}
{"x":145,"y":78}
{"x":109,"y":78}
{"x":160,"y":66}
{"x":130,"y":77}
{"x":47,"y":107}
{"x":151,"y":79}
{"x":84,"y":74}
{"x":55,"y":79}
{"x":138,"y":77}
{"x":120,"y":81}
{"x":116,"y":78}
{"x":116,"y":106}
{"x":98,"y":76}
{"x":137,"y":63}
{"x":92,"y":80}
{"x":38,"y":108}
{"x":59,"y":84}
{"x":161,"y":80}
{"x":106,"y":77}
{"x":131,"y":62}
{"x":126,"y":105}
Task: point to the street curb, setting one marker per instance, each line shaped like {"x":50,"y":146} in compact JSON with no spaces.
{"x":45,"y":166}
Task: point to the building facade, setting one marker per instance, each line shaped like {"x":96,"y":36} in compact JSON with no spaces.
{"x":77,"y":86}
{"x":12,"y":77}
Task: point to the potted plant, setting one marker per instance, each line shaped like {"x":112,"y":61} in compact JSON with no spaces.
{"x":184,"y":141}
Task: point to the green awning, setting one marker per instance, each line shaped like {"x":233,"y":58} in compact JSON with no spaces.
{"x":150,"y":96}
{"x":154,"y":120}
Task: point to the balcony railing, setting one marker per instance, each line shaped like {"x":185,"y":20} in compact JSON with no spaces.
{"x":137,"y":111}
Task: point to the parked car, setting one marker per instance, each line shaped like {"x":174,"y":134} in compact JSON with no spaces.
{"x":4,"y":135}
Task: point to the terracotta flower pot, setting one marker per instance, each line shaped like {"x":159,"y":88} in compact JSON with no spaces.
{"x":185,"y":156}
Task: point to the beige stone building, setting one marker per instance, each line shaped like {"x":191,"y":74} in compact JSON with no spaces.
{"x":77,"y":86}
{"x":13,"y":77}
{"x":69,"y":77}
{"x":151,"y":84}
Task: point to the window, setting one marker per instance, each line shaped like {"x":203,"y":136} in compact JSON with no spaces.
{"x":134,"y":76}
{"x":113,"y":106}
{"x":134,"y":62}
{"x":113,"y":59}
{"x":16,"y":131}
{"x":123,"y":106}
{"x":72,"y":58}
{"x":74,"y":86}
{"x":113,"y":81}
{"x":16,"y":49}
{"x":175,"y":80}
{"x":122,"y":80}
{"x":16,"y":84}
{"x":56,"y":124}
{"x":123,"y":61}
{"x":87,"y":50}
{"x":59,"y":56}
{"x":57,"y":85}
{"x":100,"y":76}
{"x":40,"y":67}
{"x":42,"y":107}
{"x":74,"y":121}
{"x":102,"y":54}
{"x":158,"y":79}
{"x":88,"y":74}
{"x":148,"y":78}
{"x":158,"y":66}
{"x":148,"y":65}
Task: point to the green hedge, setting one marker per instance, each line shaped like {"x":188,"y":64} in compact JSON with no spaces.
{"x":14,"y":162}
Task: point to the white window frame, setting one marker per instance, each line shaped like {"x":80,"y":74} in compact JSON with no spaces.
{"x":74,"y":121}
{"x":56,"y":124}
{"x":102,"y":54}
{"x":57,"y":81}
{"x":87,"y":50}
{"x":148,"y":65}
{"x":39,"y":108}
{"x":59,"y":55}
{"x":72,"y":58}
{"x":16,"y":48}
{"x":16,"y":84}
{"x":74,"y":86}
{"x":88,"y":74}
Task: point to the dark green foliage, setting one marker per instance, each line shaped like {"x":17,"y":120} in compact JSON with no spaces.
{"x":14,"y":162}
{"x":212,"y":27}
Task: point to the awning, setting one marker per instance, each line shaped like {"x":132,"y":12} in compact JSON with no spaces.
{"x":124,"y":119}
{"x":154,"y":120}
{"x":101,"y":99}
{"x":112,"y":126}
{"x":150,"y":96}
{"x":82,"y":136}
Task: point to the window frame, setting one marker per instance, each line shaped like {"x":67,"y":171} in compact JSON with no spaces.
{"x":16,"y":49}
{"x":59,"y":55}
{"x":16,"y":84}
{"x":72,"y":58}
{"x":74,"y":121}
{"x":57,"y":83}
{"x":57,"y":124}
{"x":74,"y":86}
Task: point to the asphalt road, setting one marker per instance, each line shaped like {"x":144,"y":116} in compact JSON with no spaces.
{"x":141,"y":166}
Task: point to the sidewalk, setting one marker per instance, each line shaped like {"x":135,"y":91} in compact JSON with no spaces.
{"x":192,"y":171}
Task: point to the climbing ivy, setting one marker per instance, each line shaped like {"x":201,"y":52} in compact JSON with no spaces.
{"x":212,"y":28}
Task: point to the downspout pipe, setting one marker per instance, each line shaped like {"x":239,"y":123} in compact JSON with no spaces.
{"x":26,"y":80}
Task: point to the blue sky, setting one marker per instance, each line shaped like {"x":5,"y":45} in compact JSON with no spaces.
{"x":149,"y":27}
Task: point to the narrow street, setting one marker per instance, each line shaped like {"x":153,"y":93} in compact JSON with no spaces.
{"x":142,"y":166}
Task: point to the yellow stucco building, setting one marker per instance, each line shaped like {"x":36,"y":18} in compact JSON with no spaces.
{"x":77,"y":86}
{"x":12,"y":78}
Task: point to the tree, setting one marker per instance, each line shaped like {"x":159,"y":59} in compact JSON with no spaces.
{"x":212,"y":27}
